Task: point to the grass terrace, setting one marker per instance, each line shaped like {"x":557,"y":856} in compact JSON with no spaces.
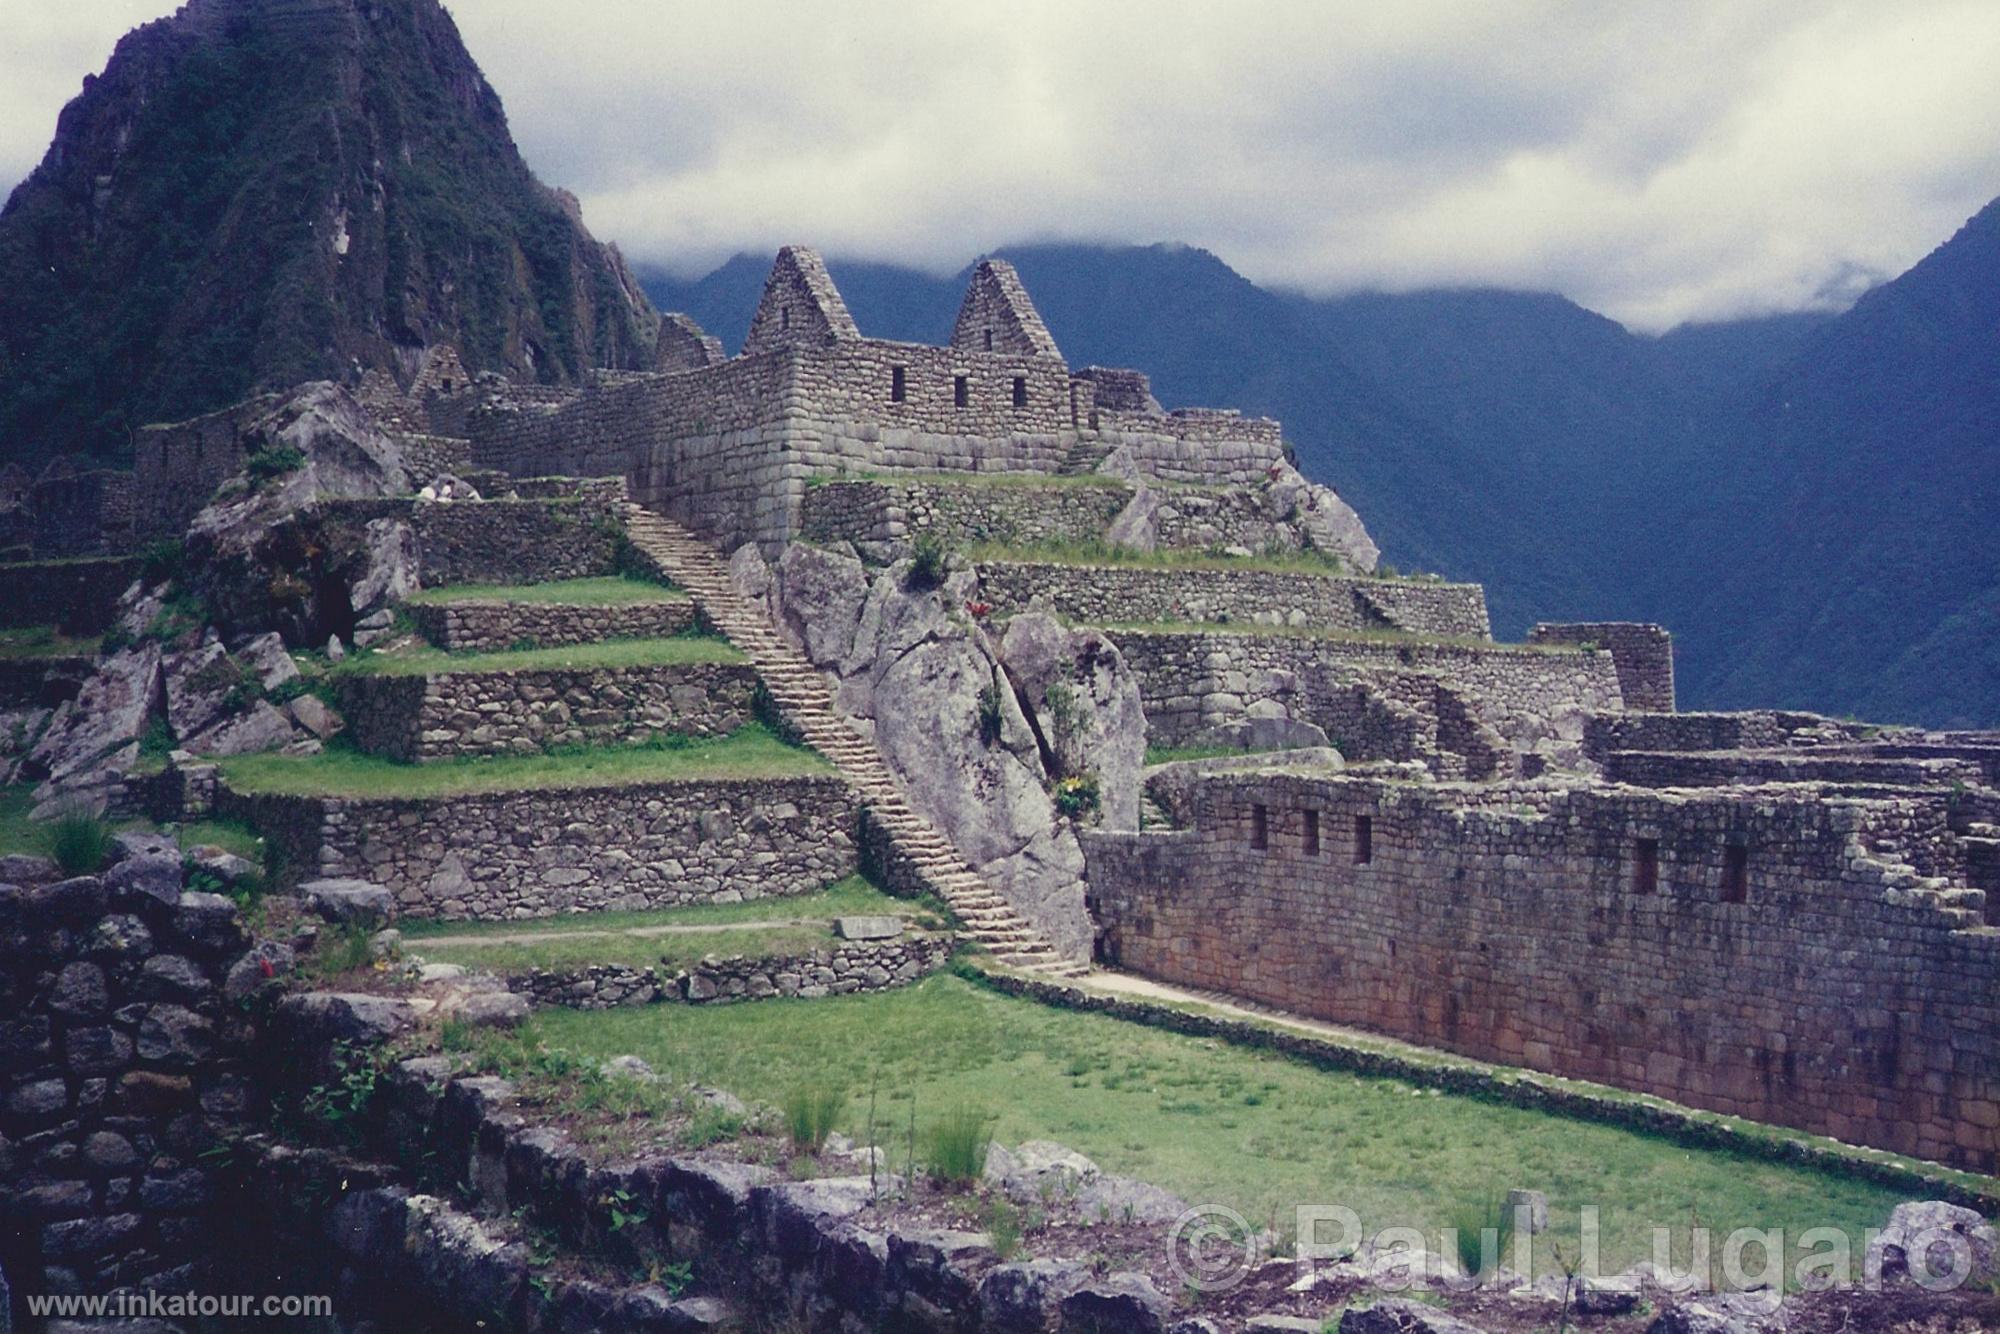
{"x":1398,"y":638}
{"x":18,"y":833}
{"x":45,"y":641}
{"x":674,"y":936}
{"x":420,"y":660}
{"x":1217,"y":1123}
{"x":607,"y":591}
{"x":751,"y":752}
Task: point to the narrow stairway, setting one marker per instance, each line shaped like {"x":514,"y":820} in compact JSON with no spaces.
{"x":801,"y":694}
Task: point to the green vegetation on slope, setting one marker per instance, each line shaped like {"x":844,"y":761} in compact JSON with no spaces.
{"x":681,"y":651}
{"x":45,"y":641}
{"x":604,"y":591}
{"x":1217,"y":1123}
{"x":750,"y":752}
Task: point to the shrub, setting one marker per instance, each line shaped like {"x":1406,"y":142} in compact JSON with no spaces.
{"x":991,"y":715}
{"x":80,"y":841}
{"x":277,"y":461}
{"x":1077,"y":795}
{"x":161,"y":560}
{"x":810,"y":1111}
{"x":929,"y":562}
{"x":955,"y":1149}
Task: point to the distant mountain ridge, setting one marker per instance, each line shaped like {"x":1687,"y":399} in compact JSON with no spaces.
{"x":1804,"y":499}
{"x":259,"y":192}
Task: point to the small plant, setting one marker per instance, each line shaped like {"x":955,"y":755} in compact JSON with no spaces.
{"x":157,"y":741}
{"x":161,"y":561}
{"x":340,"y":1104}
{"x":992,"y":718}
{"x":810,"y":1112}
{"x":625,"y":1211}
{"x":267,"y":465}
{"x":1002,"y":1222}
{"x":930,"y":561}
{"x":955,"y":1150}
{"x":1065,"y":714}
{"x":674,"y":1277}
{"x":1470,"y":1224}
{"x":1077,"y":795}
{"x":80,"y":841}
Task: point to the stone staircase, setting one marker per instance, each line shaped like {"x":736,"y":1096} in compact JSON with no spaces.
{"x":1083,"y":456}
{"x":801,"y":694}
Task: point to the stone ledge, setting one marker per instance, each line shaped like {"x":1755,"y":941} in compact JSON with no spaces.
{"x":834,"y":971}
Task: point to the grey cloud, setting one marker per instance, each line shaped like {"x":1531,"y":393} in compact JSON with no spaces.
{"x":1656,"y":159}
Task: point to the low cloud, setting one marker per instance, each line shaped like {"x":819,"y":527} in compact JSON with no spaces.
{"x":1659,"y":160}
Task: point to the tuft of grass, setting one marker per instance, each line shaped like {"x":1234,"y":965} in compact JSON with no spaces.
{"x":79,"y":841}
{"x":810,"y":1113}
{"x":1470,"y":1226}
{"x":750,"y":752}
{"x":930,"y":561}
{"x":955,"y":1147}
{"x":677,"y":651}
{"x":606,"y":591}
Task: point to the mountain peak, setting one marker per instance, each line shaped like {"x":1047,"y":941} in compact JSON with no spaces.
{"x":259,"y":192}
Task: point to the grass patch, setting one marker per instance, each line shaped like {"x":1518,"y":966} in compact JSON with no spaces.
{"x":1317,"y":563}
{"x":1178,"y":754}
{"x":1214,"y":1122}
{"x":680,"y":651}
{"x":1398,"y":638}
{"x":605,"y":591}
{"x":79,"y":841}
{"x":811,"y":1111}
{"x":1030,"y":481}
{"x":45,"y":641}
{"x":229,"y":835}
{"x":853,"y":895}
{"x":749,"y":752}
{"x":572,"y":950}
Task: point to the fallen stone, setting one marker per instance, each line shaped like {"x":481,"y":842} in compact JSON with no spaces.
{"x":1927,"y":1233}
{"x":1120,"y":1304}
{"x":267,"y":658}
{"x":494,"y":1009}
{"x":313,"y":714}
{"x":390,"y":575}
{"x":1723,"y":1313}
{"x":107,"y":715}
{"x":868,"y":928}
{"x":349,"y":902}
{"x":155,"y":877}
{"x":1396,"y":1316}
{"x":1530,"y":1207}
{"x":20,"y":868}
{"x":262,"y":727}
{"x":226,"y":867}
{"x":347,"y":1016}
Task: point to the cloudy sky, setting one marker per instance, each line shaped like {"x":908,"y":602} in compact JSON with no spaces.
{"x":1658,"y":160}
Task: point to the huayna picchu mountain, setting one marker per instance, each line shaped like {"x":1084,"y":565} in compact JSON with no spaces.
{"x":260,"y":192}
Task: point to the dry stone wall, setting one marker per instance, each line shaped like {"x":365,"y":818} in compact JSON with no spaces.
{"x":1725,"y":768}
{"x":538,"y":854}
{"x":1193,"y":681}
{"x":569,"y":535}
{"x":487,"y":627}
{"x":80,"y":596}
{"x":1821,"y":985}
{"x":1104,"y":594}
{"x":838,"y":970}
{"x":884,"y":516}
{"x":1644,"y":655}
{"x":418,"y":718}
{"x":120,"y":1055}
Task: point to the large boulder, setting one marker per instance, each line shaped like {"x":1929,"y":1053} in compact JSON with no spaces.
{"x":916,"y":669}
{"x":1137,"y":526}
{"x":1322,"y":518}
{"x":1932,"y":1238}
{"x":1085,"y":706}
{"x":389,"y":574}
{"x":263,"y":726}
{"x":98,"y":731}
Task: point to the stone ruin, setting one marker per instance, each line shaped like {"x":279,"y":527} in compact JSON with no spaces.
{"x":1377,"y":815}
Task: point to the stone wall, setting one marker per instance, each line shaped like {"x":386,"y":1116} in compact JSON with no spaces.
{"x":538,"y":854}
{"x":1824,"y":985}
{"x":87,"y":513}
{"x":891,"y":513}
{"x":119,"y":1054}
{"x":1101,"y":594}
{"x":1192,"y":681}
{"x":850,"y":966}
{"x":1644,"y":655}
{"x":488,"y":627}
{"x":79,"y":596}
{"x":526,"y":541}
{"x":177,"y":466}
{"x":1724,"y":767}
{"x":456,"y":713}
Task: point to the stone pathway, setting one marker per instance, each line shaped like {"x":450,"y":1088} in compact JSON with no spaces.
{"x":801,"y":693}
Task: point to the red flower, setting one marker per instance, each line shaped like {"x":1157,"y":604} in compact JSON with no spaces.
{"x":978,"y":609}
{"x":269,"y":969}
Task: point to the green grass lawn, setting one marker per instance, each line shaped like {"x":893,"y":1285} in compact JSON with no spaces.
{"x":574,"y":940}
{"x":1219,"y":1123}
{"x":750,"y":752}
{"x":45,"y":641}
{"x":853,"y":896}
{"x":606,"y":591}
{"x":679,"y":651}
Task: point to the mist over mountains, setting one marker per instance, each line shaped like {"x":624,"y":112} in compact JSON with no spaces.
{"x":1806,"y":500}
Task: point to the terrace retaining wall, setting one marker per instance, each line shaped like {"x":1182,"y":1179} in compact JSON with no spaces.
{"x":852,"y":966}
{"x":505,"y":855}
{"x":487,"y":627}
{"x":1835,"y":989}
{"x":452,"y":714}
